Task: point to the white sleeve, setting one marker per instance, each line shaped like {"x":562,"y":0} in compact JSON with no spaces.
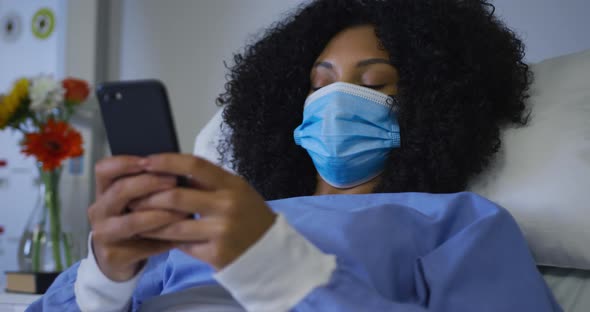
{"x":278,"y":271}
{"x":96,"y":292}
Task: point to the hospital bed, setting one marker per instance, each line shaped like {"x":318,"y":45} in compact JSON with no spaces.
{"x":541,"y":175}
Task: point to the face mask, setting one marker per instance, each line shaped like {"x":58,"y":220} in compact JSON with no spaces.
{"x":348,"y":131}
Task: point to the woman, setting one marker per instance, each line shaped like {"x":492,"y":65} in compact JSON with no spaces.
{"x":396,"y":96}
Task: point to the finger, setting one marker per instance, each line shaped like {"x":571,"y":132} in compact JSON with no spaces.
{"x":136,"y":250}
{"x":144,"y":248}
{"x":125,"y":190}
{"x":110,"y":169}
{"x":202,"y":171}
{"x":183,"y":200}
{"x":131,"y":225}
{"x":186,"y":231}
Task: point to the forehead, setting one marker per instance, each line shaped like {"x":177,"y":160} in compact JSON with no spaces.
{"x":354,"y":43}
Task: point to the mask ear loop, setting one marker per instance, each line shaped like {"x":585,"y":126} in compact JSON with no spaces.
{"x":394,"y":107}
{"x":394,"y":103}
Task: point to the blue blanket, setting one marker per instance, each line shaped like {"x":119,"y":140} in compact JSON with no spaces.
{"x":395,"y":252}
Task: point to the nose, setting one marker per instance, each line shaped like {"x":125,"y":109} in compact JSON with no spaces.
{"x":348,"y":76}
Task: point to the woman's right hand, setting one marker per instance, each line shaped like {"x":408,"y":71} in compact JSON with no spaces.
{"x":120,"y":180}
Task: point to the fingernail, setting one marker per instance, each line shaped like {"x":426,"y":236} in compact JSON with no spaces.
{"x":143,"y":162}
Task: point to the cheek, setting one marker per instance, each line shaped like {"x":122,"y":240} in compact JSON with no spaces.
{"x":321,"y":81}
{"x":390,"y":89}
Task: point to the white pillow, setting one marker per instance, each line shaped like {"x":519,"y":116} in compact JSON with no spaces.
{"x":542,"y":174}
{"x":208,"y":138}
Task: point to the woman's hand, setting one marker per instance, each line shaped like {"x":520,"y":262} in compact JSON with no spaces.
{"x":232,"y":216}
{"x":118,"y":250}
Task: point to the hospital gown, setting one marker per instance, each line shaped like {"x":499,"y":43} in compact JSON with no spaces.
{"x":395,"y":252}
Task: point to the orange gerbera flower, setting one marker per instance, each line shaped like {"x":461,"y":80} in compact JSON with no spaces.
{"x":55,"y":142}
{"x":77,"y":90}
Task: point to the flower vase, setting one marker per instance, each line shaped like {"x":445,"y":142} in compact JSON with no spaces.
{"x":44,"y":245}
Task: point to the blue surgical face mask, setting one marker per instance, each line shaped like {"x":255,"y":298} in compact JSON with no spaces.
{"x":348,"y":131}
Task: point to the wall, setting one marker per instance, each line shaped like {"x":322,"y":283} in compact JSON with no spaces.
{"x":548,"y":27}
{"x":184,"y":43}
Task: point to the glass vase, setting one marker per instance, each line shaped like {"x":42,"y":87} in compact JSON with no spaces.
{"x":44,"y":245}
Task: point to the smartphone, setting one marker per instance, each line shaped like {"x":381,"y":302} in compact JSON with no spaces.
{"x":138,"y":118}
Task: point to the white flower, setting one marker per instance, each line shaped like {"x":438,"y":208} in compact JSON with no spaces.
{"x":46,"y":94}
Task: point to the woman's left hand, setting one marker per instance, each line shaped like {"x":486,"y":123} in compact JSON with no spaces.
{"x":232,"y":215}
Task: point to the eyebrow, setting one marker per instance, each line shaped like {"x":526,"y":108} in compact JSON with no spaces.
{"x":372,"y":61}
{"x":362,"y":63}
{"x":327,"y":65}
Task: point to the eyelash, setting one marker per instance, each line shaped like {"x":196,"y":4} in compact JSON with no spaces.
{"x":374,"y":87}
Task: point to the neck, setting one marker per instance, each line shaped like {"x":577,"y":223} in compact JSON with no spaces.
{"x":323,"y":188}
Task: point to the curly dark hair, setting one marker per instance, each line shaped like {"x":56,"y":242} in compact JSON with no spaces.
{"x":462,"y":77}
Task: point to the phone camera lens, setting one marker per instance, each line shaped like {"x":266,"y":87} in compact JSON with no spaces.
{"x":106,"y":98}
{"x":118,"y":96}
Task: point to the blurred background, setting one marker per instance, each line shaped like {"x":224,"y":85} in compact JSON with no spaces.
{"x":184,"y":43}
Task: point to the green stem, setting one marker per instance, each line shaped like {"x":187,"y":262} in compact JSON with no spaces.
{"x":36,"y":249}
{"x":51,"y":211}
{"x":67,"y":252}
{"x":51,"y":181}
{"x":68,"y":112}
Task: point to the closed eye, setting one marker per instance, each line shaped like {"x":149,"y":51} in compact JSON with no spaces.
{"x":374,"y":87}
